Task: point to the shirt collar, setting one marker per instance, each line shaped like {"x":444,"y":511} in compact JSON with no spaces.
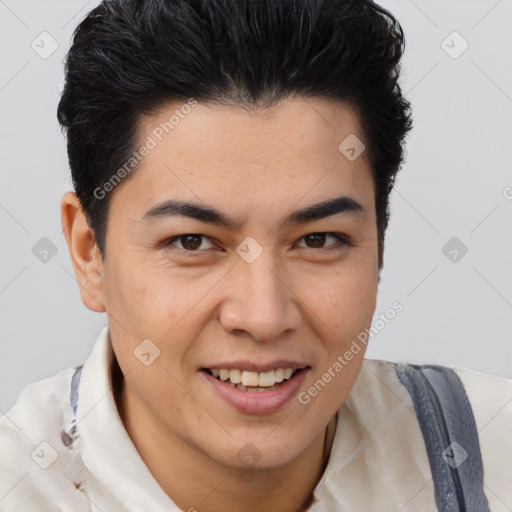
{"x":115,"y":464}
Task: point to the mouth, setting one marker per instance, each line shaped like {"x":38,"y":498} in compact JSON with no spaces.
{"x":256,"y":392}
{"x":253,"y":381}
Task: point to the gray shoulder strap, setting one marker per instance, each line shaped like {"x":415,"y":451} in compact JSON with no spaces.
{"x":446,"y":420}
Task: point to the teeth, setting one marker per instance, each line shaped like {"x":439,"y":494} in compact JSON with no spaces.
{"x":267,"y":378}
{"x":287,"y":373}
{"x":242,"y":379}
{"x":241,"y":387}
{"x":235,"y":376}
{"x":260,"y":390}
{"x":250,"y":378}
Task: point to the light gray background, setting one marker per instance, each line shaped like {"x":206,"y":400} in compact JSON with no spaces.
{"x":453,"y":184}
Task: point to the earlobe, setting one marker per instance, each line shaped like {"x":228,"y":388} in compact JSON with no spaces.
{"x":84,"y":252}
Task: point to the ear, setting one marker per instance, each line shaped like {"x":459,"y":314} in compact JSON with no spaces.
{"x":84,"y":252}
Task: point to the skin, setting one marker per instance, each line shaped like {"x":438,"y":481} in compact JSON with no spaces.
{"x":301,"y":298}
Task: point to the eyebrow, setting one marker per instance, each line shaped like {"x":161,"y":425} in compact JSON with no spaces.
{"x":207,"y":214}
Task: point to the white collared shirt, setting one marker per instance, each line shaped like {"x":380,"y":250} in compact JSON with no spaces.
{"x":53,"y":460}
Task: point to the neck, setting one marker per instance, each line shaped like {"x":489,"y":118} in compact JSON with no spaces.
{"x":194,"y":480}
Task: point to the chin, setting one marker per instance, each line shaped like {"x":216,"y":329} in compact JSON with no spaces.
{"x":262,"y":453}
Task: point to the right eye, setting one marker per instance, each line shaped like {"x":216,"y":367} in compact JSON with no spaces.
{"x":190,"y":242}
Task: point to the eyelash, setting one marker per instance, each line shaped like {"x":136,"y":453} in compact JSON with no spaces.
{"x":343,"y":240}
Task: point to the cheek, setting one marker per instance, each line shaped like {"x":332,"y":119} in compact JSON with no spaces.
{"x":344,"y":300}
{"x":137,"y":295}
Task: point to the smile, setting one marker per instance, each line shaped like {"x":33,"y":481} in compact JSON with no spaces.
{"x":256,"y":392}
{"x":253,"y":381}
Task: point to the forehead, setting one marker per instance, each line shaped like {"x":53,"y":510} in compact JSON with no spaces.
{"x":295,"y":125}
{"x":208,"y":150}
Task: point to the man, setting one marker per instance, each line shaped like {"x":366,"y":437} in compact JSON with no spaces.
{"x":232,"y":162}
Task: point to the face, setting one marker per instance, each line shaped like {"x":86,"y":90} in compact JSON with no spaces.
{"x":249,"y":284}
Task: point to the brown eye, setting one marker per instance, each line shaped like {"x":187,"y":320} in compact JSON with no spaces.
{"x":189,"y":242}
{"x":317,"y":240}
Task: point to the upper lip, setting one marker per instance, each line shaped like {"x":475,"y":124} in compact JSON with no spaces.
{"x":251,"y":366}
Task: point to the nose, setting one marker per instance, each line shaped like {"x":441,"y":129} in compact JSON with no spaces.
{"x":259,"y":300}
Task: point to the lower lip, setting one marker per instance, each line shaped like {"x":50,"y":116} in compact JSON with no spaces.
{"x":265,"y":402}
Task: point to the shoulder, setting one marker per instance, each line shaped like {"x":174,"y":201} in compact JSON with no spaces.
{"x":490,"y":397}
{"x":40,"y":408}
{"x":488,"y":394}
{"x":37,"y":462}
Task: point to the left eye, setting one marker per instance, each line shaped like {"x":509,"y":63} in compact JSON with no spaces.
{"x":192,"y":242}
{"x":319,"y":239}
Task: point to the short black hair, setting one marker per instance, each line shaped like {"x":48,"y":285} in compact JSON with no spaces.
{"x":129,"y":57}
